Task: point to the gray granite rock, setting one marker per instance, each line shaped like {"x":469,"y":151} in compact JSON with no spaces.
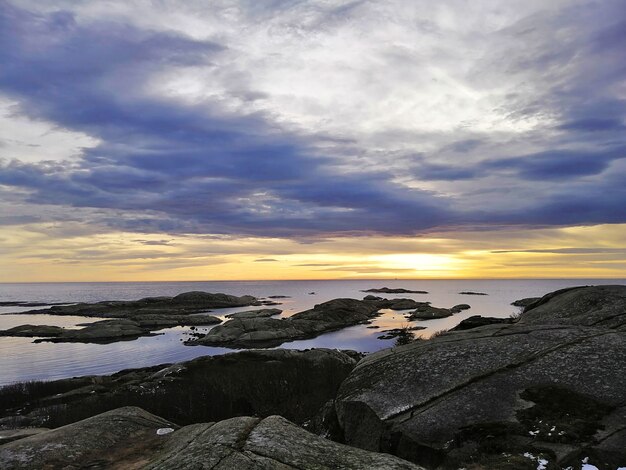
{"x":492,"y":384}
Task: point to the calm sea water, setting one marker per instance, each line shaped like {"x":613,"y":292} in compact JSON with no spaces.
{"x":21,"y":359}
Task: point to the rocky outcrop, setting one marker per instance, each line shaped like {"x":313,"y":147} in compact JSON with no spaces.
{"x":294,"y":384}
{"x":31,"y":331}
{"x":269,"y":332}
{"x":132,"y":438}
{"x":472,"y":293}
{"x":109,"y":331}
{"x":525,"y":302}
{"x":10,"y":435}
{"x":552,"y":384}
{"x":427,"y":312}
{"x":387,"y":290}
{"x":182,"y":304}
{"x":477,"y":321}
{"x":263,"y":313}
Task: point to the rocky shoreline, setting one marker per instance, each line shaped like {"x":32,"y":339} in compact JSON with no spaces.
{"x":491,"y":393}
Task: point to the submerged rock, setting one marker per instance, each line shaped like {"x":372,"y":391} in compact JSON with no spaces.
{"x":269,"y":332}
{"x":466,"y":395}
{"x":128,"y":438}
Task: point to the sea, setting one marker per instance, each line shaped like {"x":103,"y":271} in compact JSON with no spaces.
{"x":23,"y":360}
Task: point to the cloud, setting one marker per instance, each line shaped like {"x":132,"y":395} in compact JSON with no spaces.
{"x":289,"y":121}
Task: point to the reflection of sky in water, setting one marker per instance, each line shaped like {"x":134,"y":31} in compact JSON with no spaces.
{"x":21,"y":359}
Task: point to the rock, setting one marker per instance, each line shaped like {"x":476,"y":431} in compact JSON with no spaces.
{"x":525,"y":302}
{"x":394,"y":304}
{"x":292,"y":383}
{"x":387,"y":290}
{"x":476,"y":321}
{"x":500,"y":388}
{"x":127,"y":438}
{"x":372,"y":297}
{"x":105,"y":331}
{"x":10,"y":435}
{"x":459,"y":308}
{"x":31,"y":331}
{"x":263,"y":313}
{"x":123,"y":435}
{"x":182,"y":304}
{"x":472,"y":293}
{"x":110,"y":331}
{"x":426,"y":312}
{"x":600,"y":306}
{"x":269,"y":332}
{"x":278,"y":297}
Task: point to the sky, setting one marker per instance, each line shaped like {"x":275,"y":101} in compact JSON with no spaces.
{"x":289,"y":139}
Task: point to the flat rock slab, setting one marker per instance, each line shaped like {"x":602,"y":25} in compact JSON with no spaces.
{"x":10,"y":435}
{"x":128,"y":438}
{"x":426,"y":399}
{"x":270,"y":332}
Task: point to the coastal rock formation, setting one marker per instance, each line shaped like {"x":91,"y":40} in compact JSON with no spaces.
{"x":269,"y":332}
{"x":130,"y":438}
{"x":387,"y":290}
{"x":182,"y":304}
{"x":427,"y":312}
{"x":109,"y":331}
{"x":552,"y":384}
{"x":263,"y":313}
{"x":525,"y":302}
{"x":294,"y":384}
{"x":477,"y":321}
{"x":472,"y":293}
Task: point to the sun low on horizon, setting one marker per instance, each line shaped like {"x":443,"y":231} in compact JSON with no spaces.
{"x":238,"y":140}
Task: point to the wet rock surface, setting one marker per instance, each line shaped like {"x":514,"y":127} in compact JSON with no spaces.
{"x":128,"y":438}
{"x":182,"y":304}
{"x":269,"y":332}
{"x":294,"y":384}
{"x":468,"y":396}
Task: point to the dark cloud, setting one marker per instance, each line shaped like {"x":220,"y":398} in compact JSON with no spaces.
{"x":195,"y":167}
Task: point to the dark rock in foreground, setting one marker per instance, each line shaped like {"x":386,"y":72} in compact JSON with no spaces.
{"x":10,"y":435}
{"x":552,"y":384}
{"x":182,"y":304}
{"x":387,"y":290}
{"x":269,"y":332}
{"x":294,"y":384}
{"x":133,"y":438}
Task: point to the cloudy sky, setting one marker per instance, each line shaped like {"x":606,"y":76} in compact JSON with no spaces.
{"x":287,"y":139}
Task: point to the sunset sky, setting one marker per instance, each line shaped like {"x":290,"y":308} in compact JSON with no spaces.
{"x":208,"y":140}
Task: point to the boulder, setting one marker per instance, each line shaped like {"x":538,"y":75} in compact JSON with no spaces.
{"x":130,"y":438}
{"x":270,"y":332}
{"x":553,"y":383}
